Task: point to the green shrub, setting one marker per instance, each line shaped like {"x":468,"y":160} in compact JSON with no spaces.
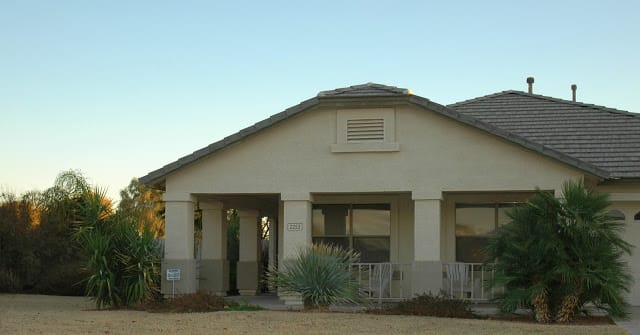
{"x":320,"y":274}
{"x":62,"y":279}
{"x":35,"y":240}
{"x":9,"y":282}
{"x":429,"y":305}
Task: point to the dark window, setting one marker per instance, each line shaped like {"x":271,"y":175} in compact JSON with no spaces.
{"x":474,"y":226}
{"x":365,"y":228}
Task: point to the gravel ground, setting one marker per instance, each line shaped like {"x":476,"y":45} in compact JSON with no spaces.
{"x":37,"y":314}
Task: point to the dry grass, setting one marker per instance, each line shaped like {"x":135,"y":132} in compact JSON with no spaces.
{"x":25,"y":314}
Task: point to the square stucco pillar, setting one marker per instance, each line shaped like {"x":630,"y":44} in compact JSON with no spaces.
{"x":427,"y":263}
{"x":248,"y":267}
{"x":296,"y":233}
{"x":178,"y":243}
{"x":297,"y":224}
{"x":214,"y":266}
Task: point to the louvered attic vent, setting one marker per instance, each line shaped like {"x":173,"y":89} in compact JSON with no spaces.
{"x":365,"y":130}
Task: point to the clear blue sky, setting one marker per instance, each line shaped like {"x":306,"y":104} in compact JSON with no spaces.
{"x":117,"y":89}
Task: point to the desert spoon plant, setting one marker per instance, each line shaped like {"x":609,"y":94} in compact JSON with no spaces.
{"x":320,"y":274}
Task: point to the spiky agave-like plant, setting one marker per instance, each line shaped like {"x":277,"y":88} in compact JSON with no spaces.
{"x":320,"y":274}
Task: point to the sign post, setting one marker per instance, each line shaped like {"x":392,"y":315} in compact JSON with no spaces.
{"x":173,"y":275}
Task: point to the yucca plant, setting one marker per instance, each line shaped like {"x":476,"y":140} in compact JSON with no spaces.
{"x":140,"y":263}
{"x":320,"y":274}
{"x":559,"y":254}
{"x":123,"y":266}
{"x":101,"y":283}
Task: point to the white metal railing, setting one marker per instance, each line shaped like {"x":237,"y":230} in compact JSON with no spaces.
{"x":383,"y":281}
{"x":466,"y":281}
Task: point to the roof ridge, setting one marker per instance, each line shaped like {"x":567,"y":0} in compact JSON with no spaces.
{"x":578,"y":103}
{"x":548,"y":98}
{"x":480,"y":98}
{"x":355,"y":88}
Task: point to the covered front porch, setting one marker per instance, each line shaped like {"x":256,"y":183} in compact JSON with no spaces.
{"x":410,"y":242}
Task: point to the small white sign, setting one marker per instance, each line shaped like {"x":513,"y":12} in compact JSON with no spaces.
{"x":173,"y":274}
{"x":294,"y":226}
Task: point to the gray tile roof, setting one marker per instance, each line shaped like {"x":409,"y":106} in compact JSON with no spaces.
{"x":605,"y":137}
{"x":503,"y":114}
{"x":368,"y":89}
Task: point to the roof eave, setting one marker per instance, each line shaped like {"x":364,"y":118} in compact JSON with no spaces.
{"x":157,"y":177}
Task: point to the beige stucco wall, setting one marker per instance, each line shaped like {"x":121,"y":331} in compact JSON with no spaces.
{"x":632,"y":235}
{"x":625,"y":197}
{"x":436,"y":154}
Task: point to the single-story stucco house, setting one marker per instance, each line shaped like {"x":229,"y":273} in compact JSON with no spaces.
{"x":407,"y":182}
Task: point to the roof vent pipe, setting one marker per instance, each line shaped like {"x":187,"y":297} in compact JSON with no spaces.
{"x":530,"y":82}
{"x":574,"y":87}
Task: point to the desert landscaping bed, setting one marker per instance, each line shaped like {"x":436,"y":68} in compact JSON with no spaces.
{"x":36,"y":314}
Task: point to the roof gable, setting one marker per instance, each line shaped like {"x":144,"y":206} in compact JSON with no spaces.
{"x":604,"y":137}
{"x":372,"y":90}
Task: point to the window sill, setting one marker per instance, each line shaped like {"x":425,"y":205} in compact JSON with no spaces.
{"x":365,"y":147}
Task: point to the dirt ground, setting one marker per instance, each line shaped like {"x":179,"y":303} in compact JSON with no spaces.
{"x":37,"y":314}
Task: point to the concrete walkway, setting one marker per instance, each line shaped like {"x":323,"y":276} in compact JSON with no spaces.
{"x":266,"y":301}
{"x":271,"y":302}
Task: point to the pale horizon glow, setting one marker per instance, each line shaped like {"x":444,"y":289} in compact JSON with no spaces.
{"x":118,"y":89}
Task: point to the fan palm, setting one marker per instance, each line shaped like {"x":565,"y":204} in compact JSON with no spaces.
{"x":559,"y":254}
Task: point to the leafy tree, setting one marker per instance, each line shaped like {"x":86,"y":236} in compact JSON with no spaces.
{"x":38,"y":253}
{"x":143,"y":204}
{"x":320,"y":274}
{"x":559,"y":254}
{"x":15,"y":242}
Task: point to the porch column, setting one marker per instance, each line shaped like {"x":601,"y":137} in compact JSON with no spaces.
{"x":248,"y":267}
{"x":427,"y":263}
{"x":214,"y":266}
{"x":178,"y":243}
{"x":296,"y":234}
{"x":297,"y":224}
